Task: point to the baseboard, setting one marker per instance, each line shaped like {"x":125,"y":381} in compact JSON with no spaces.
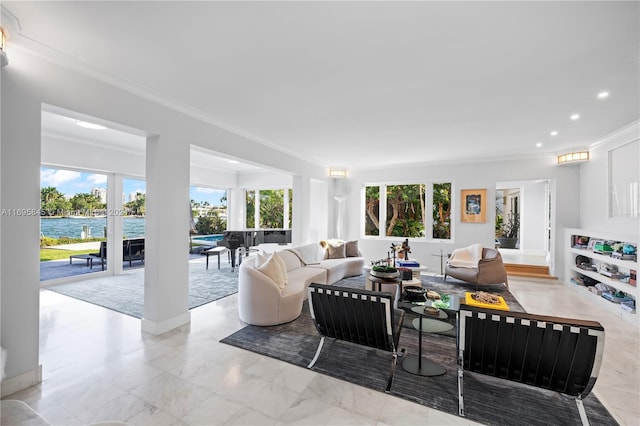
{"x":157,"y":328}
{"x":21,"y":381}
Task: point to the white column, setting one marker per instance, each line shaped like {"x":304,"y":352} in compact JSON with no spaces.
{"x":166,"y":279}
{"x":114,"y":223}
{"x":20,"y":227}
{"x":301,"y":209}
{"x":236,"y":209}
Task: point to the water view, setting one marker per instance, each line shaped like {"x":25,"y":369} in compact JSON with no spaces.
{"x":73,"y":227}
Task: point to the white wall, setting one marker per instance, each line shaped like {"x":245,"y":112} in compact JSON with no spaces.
{"x":467,"y":176}
{"x":211,"y":178}
{"x":533,"y":211}
{"x":28,"y":83}
{"x":63,"y":153}
{"x":594,"y":188}
{"x":265,"y":180}
{"x":319,"y":200}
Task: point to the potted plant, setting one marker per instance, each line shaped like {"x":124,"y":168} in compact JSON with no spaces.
{"x":510,"y":230}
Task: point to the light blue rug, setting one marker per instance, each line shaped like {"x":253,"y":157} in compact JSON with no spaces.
{"x":125,"y":293}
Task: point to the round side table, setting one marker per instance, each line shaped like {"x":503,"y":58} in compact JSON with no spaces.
{"x":417,"y":364}
{"x":377,"y":282}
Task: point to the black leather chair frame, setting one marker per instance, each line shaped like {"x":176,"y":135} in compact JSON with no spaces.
{"x":358,"y":316}
{"x":132,"y":250}
{"x":558,"y":354}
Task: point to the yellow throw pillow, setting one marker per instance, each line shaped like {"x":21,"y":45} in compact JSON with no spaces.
{"x":272,"y":269}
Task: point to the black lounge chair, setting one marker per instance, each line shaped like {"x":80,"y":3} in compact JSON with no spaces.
{"x":132,"y":250}
{"x":358,"y":316}
{"x":559,"y":354}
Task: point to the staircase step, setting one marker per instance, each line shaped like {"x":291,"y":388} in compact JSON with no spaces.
{"x":531,"y":271}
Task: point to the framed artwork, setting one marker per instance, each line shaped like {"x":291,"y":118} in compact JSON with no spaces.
{"x":474,"y":205}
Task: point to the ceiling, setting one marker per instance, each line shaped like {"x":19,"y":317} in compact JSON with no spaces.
{"x":61,"y":124}
{"x":366,"y":84}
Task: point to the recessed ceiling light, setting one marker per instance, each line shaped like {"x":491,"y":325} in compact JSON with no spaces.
{"x":554,"y":133}
{"x":88,"y":125}
{"x":233,"y":161}
{"x":603,"y":95}
{"x":575,"y":117}
{"x":539,"y":144}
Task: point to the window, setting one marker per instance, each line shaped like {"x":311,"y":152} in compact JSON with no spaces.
{"x":73,"y":210}
{"x":401,"y":210}
{"x":405,"y":211}
{"x":250,"y":218}
{"x":372,"y":210}
{"x":209,"y":210}
{"x":442,"y":211}
{"x":269,"y":208}
{"x":272,"y":208}
{"x":134,"y":200}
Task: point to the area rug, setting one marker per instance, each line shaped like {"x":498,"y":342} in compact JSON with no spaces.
{"x":125,"y":293}
{"x":487,"y":400}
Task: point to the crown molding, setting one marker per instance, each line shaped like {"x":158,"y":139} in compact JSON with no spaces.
{"x":624,"y":135}
{"x":9,"y":22}
{"x":73,"y":139}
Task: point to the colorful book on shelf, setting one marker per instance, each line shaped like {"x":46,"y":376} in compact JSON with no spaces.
{"x":408,"y":263}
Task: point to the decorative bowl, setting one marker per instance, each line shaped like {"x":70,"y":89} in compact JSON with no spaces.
{"x":377,"y":274}
{"x":415,"y":293}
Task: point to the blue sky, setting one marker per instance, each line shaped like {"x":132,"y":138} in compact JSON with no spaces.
{"x":70,"y":182}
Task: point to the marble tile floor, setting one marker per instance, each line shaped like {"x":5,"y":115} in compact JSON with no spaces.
{"x":98,"y":365}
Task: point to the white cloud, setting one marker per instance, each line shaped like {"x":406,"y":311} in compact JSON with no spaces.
{"x":207,"y":190}
{"x":51,"y":177}
{"x":97,"y":179}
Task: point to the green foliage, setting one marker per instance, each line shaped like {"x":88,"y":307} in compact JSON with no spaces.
{"x":212,"y":224}
{"x":511,"y":227}
{"x":47,"y":254}
{"x":52,"y":202}
{"x":137,"y":206}
{"x":271,"y":208}
{"x":372,"y":210}
{"x":251,"y":209}
{"x":405,"y":210}
{"x":86,"y":202}
{"x":442,"y":211}
{"x":49,"y":241}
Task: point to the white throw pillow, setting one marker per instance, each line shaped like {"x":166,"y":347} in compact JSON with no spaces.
{"x":261,"y":258}
{"x":272,"y":269}
{"x":283,"y":267}
{"x":308,"y":253}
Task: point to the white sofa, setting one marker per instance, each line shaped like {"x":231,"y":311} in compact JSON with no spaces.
{"x":262,"y":302}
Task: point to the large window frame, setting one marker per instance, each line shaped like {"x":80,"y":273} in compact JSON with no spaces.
{"x":253,"y":195}
{"x":382,"y":214}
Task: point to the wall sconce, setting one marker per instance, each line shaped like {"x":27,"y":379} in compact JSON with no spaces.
{"x":10,"y":27}
{"x":572,"y":157}
{"x":338,"y":173}
{"x":3,"y":55}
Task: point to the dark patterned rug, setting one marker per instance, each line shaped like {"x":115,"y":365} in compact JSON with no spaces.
{"x":487,"y":400}
{"x":125,"y":293}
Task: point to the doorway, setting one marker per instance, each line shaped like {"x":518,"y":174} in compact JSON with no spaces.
{"x":523,"y":214}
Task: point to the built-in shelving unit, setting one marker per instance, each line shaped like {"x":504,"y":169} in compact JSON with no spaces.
{"x":620,"y":282}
